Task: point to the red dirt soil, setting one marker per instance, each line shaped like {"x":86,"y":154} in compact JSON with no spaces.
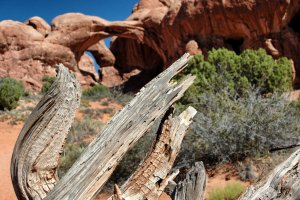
{"x":219,"y":177}
{"x":8,"y":137}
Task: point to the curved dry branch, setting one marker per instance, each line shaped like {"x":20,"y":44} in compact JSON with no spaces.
{"x":98,"y":161}
{"x":39,"y":145}
{"x":282,"y":183}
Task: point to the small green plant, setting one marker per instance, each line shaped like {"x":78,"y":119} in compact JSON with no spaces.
{"x":85,"y":103}
{"x":80,"y":135}
{"x":83,"y":128}
{"x":47,"y":82}
{"x":118,"y":95}
{"x":96,"y":113}
{"x":20,"y":114}
{"x":11,"y":91}
{"x":229,"y":192}
{"x":96,"y":92}
{"x":70,"y":155}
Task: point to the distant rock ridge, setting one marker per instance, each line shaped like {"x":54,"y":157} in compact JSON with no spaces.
{"x":153,"y":36}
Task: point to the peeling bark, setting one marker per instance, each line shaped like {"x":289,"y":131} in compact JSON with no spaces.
{"x":36,"y":154}
{"x":151,"y":178}
{"x":282,"y":183}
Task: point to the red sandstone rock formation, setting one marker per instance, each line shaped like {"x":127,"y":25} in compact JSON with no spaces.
{"x":29,"y":50}
{"x":174,"y":26}
{"x":153,"y":36}
{"x":39,"y":24}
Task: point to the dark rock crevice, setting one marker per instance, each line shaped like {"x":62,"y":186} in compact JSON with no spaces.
{"x":234,"y":44}
{"x":295,"y":23}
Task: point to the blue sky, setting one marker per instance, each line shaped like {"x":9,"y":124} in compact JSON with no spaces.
{"x":21,"y":10}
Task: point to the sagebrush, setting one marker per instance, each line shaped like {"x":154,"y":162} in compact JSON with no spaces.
{"x":80,"y":135}
{"x":227,"y":127}
{"x":96,"y":92}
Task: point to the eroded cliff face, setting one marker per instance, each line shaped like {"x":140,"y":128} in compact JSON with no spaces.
{"x":154,"y":35}
{"x":175,"y":26}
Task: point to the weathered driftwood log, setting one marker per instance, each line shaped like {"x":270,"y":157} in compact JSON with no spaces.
{"x":282,"y":183}
{"x":151,"y":178}
{"x":98,"y":161}
{"x":193,"y":186}
{"x":40,"y":143}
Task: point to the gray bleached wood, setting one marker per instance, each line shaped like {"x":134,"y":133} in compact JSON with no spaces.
{"x":36,"y":154}
{"x":98,"y":161}
{"x":151,"y":178}
{"x":193,"y":186}
{"x":282,"y":183}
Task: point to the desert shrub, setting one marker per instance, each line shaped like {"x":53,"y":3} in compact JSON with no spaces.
{"x":121,"y":97}
{"x":235,"y":117}
{"x":70,"y":155}
{"x":11,"y":91}
{"x":224,"y":69}
{"x":20,"y":114}
{"x":230,"y":128}
{"x":229,"y":192}
{"x":296,"y":105}
{"x":96,"y":92}
{"x":96,"y":113}
{"x":81,"y":134}
{"x":47,"y":82}
{"x":101,"y":91}
{"x":84,"y":128}
{"x":264,"y":72}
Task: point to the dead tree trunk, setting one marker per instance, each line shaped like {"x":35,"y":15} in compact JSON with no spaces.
{"x":98,"y":161}
{"x":40,"y":143}
{"x":193,"y":186}
{"x":151,"y":178}
{"x":282,"y":183}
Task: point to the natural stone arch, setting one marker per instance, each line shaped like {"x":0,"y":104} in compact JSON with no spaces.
{"x":79,"y":32}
